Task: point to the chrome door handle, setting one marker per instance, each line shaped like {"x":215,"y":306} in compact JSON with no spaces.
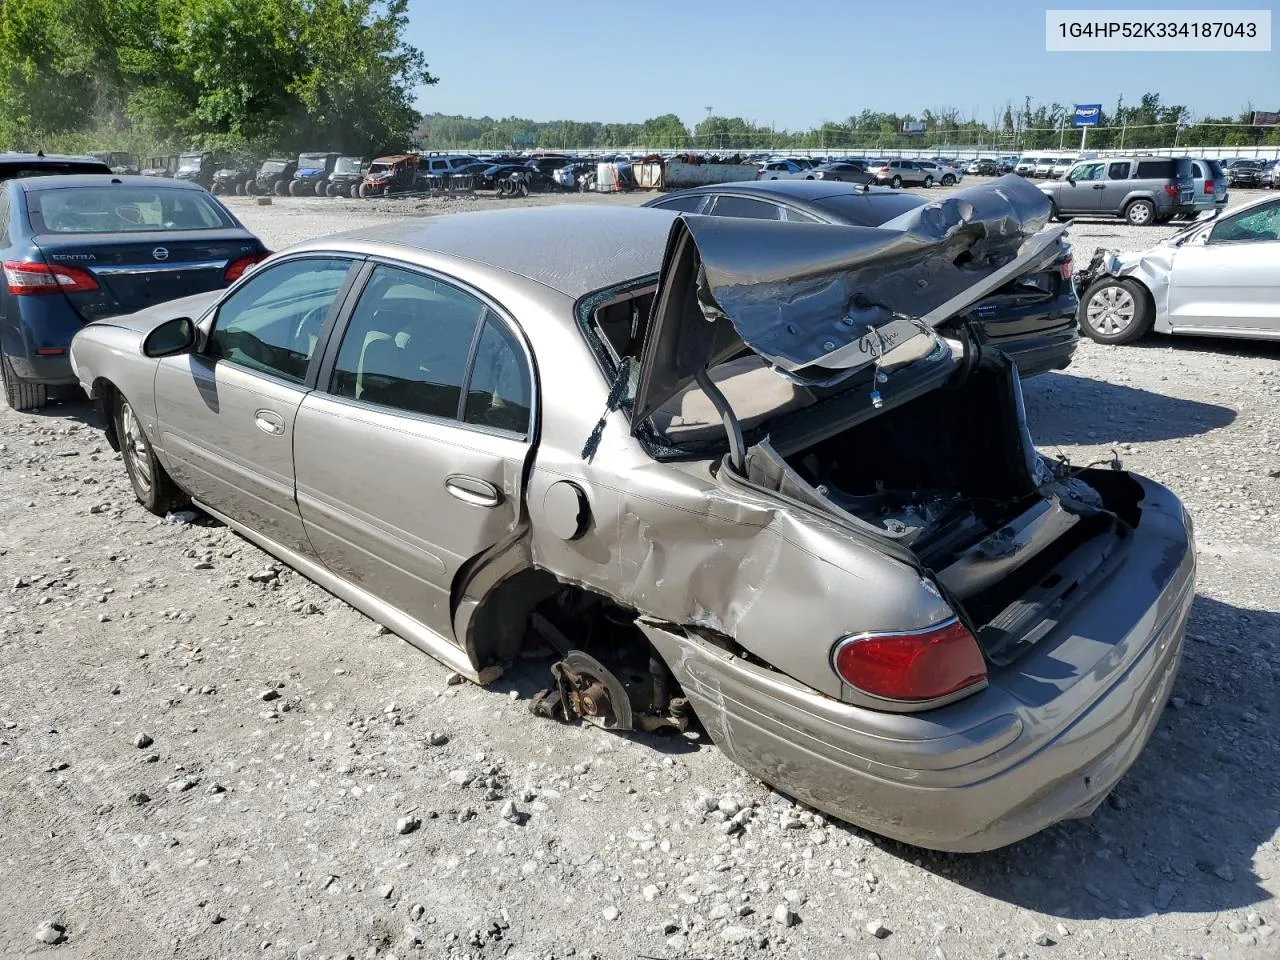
{"x":473,"y":490}
{"x":1099,"y":186}
{"x":268,"y":421}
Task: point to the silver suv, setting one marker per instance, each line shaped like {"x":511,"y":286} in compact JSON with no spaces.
{"x":1142,"y":190}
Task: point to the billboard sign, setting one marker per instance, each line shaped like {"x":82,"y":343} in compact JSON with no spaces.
{"x":913,"y":129}
{"x":529,"y":139}
{"x":1265,"y":118}
{"x":1087,"y":115}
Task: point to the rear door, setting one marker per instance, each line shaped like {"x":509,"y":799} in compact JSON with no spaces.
{"x":410,"y":456}
{"x":1232,"y":282}
{"x":226,"y":413}
{"x":1115,"y":186}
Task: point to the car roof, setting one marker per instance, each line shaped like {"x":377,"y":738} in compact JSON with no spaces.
{"x":64,"y":181}
{"x":50,"y":157}
{"x":781,"y":189}
{"x":574,"y":249}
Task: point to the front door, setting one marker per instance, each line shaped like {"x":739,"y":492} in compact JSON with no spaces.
{"x":226,"y":413}
{"x":410,"y":456}
{"x":1232,"y":282}
{"x":1080,"y":191}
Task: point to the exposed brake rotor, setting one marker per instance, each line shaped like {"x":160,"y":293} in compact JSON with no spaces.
{"x":590,"y":691}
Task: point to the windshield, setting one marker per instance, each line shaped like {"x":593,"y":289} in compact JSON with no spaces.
{"x":190,"y":161}
{"x":347,"y":165}
{"x":312,"y":159}
{"x":115,"y":209}
{"x":273,"y":166}
{"x":377,"y":168}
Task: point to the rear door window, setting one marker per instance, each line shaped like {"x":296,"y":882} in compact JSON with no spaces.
{"x":1118,"y":171}
{"x":408,"y":344}
{"x":727,"y":206}
{"x":685,"y":204}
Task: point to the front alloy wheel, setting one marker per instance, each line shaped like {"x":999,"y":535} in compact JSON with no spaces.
{"x":151,"y":484}
{"x":1116,"y":311}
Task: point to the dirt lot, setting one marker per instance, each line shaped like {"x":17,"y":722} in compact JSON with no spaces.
{"x":194,"y":763}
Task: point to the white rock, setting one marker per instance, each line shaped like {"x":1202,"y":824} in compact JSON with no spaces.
{"x":650,"y":893}
{"x":784,"y":915}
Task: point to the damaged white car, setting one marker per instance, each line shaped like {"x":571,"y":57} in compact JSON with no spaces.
{"x":1220,"y":277}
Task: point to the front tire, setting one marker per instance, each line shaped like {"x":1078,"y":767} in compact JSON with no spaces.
{"x":18,"y":393}
{"x":153,"y":487}
{"x":241,"y":189}
{"x":896,"y":183}
{"x":295,"y":188}
{"x":928,"y":182}
{"x":1140,"y":213}
{"x":280,"y":189}
{"x":1116,"y":310}
{"x":321,"y":188}
{"x":948,"y":180}
{"x":251,"y":188}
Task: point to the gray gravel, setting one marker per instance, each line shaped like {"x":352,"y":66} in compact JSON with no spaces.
{"x":272,"y":814}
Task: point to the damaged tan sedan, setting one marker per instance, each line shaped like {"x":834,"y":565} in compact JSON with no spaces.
{"x":744,"y":471}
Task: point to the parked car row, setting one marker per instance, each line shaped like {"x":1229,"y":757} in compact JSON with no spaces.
{"x":1143,"y":190}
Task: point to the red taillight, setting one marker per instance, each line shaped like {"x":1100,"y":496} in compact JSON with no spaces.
{"x":1171,"y":189}
{"x":237,"y":268}
{"x":920,"y":665}
{"x":1208,"y":186}
{"x":24,"y":278}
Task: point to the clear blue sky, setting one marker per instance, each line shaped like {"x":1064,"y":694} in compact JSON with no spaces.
{"x":798,"y":64}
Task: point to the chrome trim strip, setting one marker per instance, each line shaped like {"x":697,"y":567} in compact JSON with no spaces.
{"x":139,"y":270}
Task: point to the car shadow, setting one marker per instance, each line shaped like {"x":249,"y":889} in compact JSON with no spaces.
{"x":1181,"y":829}
{"x":68,"y":404}
{"x":1065,"y":408}
{"x":1221,"y":346}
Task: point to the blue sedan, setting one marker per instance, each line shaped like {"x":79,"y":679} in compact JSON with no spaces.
{"x":83,"y":247}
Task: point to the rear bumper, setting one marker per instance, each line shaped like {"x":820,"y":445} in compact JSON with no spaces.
{"x":53,"y":371}
{"x":1039,"y":352}
{"x":1043,"y":745}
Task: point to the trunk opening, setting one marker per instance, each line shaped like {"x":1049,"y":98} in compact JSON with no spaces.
{"x":951,"y":478}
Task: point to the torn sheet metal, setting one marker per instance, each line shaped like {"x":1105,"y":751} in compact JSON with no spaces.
{"x":820,"y":301}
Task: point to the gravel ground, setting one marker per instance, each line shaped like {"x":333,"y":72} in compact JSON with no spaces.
{"x":202,"y":759}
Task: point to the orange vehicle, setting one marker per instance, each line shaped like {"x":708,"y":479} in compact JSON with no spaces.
{"x":391,"y":174}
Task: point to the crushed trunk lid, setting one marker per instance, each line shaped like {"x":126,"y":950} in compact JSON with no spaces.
{"x":819,"y":302}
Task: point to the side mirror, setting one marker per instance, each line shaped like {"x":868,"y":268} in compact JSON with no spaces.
{"x":170,"y":338}
{"x":1070,"y":179}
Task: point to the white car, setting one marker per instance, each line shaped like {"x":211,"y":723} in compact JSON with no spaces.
{"x":1060,"y":167}
{"x":783,"y":170}
{"x":1026,"y":167}
{"x":1044,"y":167}
{"x":1218,"y":278}
{"x":942,"y":173}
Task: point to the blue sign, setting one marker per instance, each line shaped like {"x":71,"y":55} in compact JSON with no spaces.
{"x":1087,"y":115}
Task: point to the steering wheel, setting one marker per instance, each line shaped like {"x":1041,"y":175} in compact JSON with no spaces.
{"x":309,"y":324}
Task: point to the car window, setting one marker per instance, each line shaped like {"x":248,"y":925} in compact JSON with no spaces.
{"x":273,"y":322}
{"x":498,"y":390}
{"x":799,"y":216}
{"x":1118,"y":171}
{"x":1260,"y":224}
{"x":726,"y":206}
{"x":1087,"y":171}
{"x":407,"y":344}
{"x":118,"y":209}
{"x":686,"y":204}
{"x":1155,"y":169}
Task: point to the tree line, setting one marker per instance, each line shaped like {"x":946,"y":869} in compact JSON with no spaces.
{"x":258,"y":75}
{"x":1147,"y":124}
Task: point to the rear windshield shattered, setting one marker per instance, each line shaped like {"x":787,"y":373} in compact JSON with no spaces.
{"x":113,"y":209}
